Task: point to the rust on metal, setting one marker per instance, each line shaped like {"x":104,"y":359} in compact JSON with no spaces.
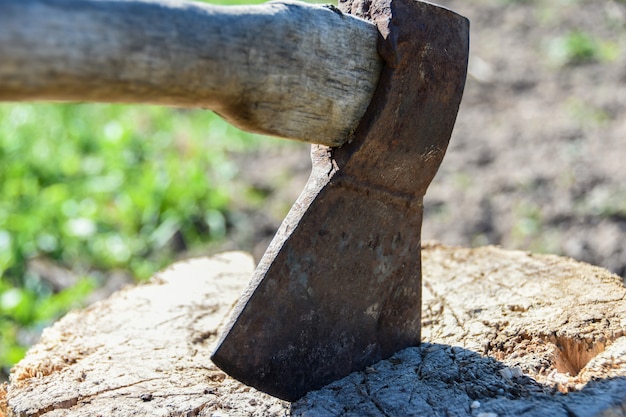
{"x":339,"y":288}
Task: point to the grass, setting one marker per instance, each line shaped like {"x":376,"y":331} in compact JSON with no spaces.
{"x":578,"y":47}
{"x":97,"y":188}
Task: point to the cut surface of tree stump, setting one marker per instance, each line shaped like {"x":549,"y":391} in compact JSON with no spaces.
{"x":504,"y":333}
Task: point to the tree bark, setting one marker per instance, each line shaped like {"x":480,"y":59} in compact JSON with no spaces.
{"x":504,"y":333}
{"x":287,"y":69}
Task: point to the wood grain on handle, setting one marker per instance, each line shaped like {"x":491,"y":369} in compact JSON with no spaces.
{"x":293,"y":70}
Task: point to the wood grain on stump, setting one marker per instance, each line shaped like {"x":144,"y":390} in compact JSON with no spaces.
{"x":504,"y":333}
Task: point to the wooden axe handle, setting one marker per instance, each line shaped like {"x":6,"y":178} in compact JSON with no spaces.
{"x":287,"y":69}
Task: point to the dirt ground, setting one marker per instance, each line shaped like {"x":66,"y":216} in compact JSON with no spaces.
{"x":536,"y":161}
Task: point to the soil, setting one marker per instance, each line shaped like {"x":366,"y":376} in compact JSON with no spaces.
{"x":536,"y":160}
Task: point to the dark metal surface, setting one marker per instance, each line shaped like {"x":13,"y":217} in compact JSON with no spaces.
{"x":340,"y":285}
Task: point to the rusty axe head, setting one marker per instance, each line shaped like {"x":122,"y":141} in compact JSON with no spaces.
{"x":339,"y":288}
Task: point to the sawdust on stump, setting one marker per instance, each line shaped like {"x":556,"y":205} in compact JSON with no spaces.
{"x":504,"y":333}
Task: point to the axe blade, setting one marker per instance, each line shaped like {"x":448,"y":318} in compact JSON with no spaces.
{"x":339,"y":287}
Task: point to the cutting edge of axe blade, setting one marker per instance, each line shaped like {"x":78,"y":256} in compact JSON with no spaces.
{"x":339,"y":288}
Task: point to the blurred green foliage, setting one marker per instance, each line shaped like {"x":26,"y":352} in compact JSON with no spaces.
{"x":579,"y":47}
{"x":100,"y":188}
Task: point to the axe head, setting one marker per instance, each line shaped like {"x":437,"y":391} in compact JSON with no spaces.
{"x":339,"y":287}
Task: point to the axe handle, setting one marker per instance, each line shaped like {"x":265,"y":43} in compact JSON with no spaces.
{"x":289,"y":69}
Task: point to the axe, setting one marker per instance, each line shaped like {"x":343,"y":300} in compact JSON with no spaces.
{"x":375,"y":85}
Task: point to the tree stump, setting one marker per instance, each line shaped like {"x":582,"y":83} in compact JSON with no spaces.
{"x":504,"y":333}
